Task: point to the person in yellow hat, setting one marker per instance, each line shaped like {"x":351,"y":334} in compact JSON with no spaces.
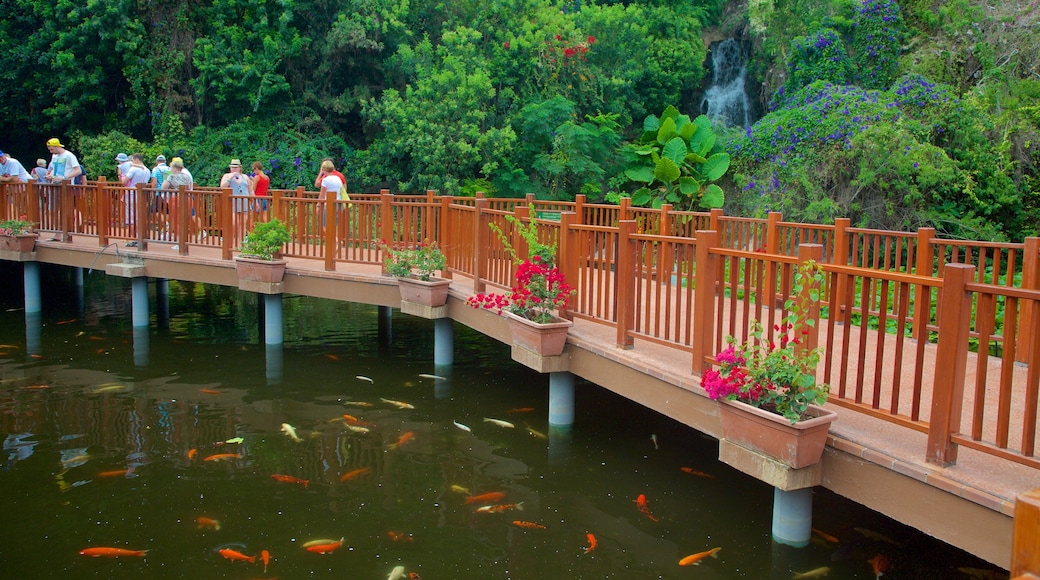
{"x":64,"y":166}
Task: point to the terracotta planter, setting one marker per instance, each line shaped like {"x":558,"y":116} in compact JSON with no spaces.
{"x":433,"y":292}
{"x":18,"y":242}
{"x":798,"y":445}
{"x":256,"y":270}
{"x":543,"y":339}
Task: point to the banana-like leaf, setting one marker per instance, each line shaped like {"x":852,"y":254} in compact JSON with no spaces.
{"x":716,"y":166}
{"x":675,"y":150}
{"x":643,"y":174}
{"x":667,"y":170}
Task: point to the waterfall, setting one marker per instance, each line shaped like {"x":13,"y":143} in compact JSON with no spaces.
{"x":725,"y":102}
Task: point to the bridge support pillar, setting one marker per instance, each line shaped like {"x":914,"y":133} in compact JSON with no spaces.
{"x":384,"y":320}
{"x":273,"y":319}
{"x":31,"y":276}
{"x":139,"y":306}
{"x":275,"y":366}
{"x":141,"y":346}
{"x":162,"y":302}
{"x":33,"y":333}
{"x":443,"y":342}
{"x":561,"y":398}
{"x":792,"y":516}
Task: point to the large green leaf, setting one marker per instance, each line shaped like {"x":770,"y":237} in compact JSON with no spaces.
{"x":675,"y":150}
{"x":670,"y":112}
{"x":703,"y":134}
{"x":687,"y":131}
{"x":689,"y":186}
{"x":713,"y":197}
{"x":644,"y":174}
{"x":694,"y":158}
{"x":641,"y":197}
{"x":716,"y":166}
{"x":666,"y":132}
{"x":667,"y":170}
{"x":708,"y":144}
{"x":651,"y":124}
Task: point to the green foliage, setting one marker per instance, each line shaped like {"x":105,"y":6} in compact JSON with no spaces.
{"x":265,"y":239}
{"x":676,"y":161}
{"x":536,"y":249}
{"x":819,"y":56}
{"x":423,"y":260}
{"x":877,"y":36}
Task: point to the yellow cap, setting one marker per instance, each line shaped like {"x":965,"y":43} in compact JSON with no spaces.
{"x":54,"y":142}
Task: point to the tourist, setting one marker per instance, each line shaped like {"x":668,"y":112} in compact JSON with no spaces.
{"x":239,"y":184}
{"x":260,"y":183}
{"x":323,"y":172}
{"x":177,"y":177}
{"x":11,"y":171}
{"x":64,"y":166}
{"x":136,"y":175}
{"x":122,"y":165}
{"x":39,"y":173}
{"x":159,"y":172}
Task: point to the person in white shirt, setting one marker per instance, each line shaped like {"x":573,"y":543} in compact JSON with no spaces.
{"x":11,"y":171}
{"x":138,"y":174}
{"x":64,"y":166}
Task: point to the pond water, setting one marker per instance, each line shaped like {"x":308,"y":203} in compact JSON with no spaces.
{"x":171,"y":442}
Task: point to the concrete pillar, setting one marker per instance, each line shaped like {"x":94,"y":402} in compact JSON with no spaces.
{"x":560,"y":448}
{"x":443,"y":342}
{"x":561,"y":398}
{"x":31,"y":275}
{"x":139,"y":287}
{"x":162,"y":302}
{"x":273,"y":319}
{"x":141,"y":346}
{"x":792,"y":516}
{"x":384,"y":320}
{"x":80,"y":302}
{"x":442,"y":386}
{"x":273,"y":357}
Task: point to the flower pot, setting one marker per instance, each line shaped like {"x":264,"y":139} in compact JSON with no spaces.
{"x":432,"y":292}
{"x":544,"y":339}
{"x":256,"y":270}
{"x":796,"y":445}
{"x":18,"y":242}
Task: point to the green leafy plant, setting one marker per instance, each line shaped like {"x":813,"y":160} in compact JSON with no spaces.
{"x":265,"y":239}
{"x":538,"y":293}
{"x":546,"y":253}
{"x":777,"y":375}
{"x":676,"y":161}
{"x":422,"y":261}
{"x":16,"y":227}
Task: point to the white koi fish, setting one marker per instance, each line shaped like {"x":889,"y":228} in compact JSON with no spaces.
{"x":364,"y":378}
{"x":397,"y":573}
{"x":434,"y":377}
{"x":398,"y":404}
{"x":499,"y":422}
{"x":463,"y":427}
{"x":290,"y":431}
{"x":357,"y":428}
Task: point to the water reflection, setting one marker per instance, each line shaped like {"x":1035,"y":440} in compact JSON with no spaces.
{"x":188,"y":454}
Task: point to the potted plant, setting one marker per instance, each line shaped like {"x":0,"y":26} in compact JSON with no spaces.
{"x":769,"y":398}
{"x":539,"y":293}
{"x":414,"y":269}
{"x":256,"y":261}
{"x":17,"y":235}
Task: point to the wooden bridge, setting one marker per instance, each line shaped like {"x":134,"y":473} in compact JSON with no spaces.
{"x":931,"y":344}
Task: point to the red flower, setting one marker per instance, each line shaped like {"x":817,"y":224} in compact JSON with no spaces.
{"x":568,"y":52}
{"x":591,"y":40}
{"x":558,"y":37}
{"x":505,"y":45}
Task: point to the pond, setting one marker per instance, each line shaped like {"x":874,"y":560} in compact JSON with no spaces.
{"x":182,"y":443}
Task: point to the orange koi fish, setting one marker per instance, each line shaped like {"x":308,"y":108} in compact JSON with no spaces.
{"x":825,"y":536}
{"x":331,"y":357}
{"x":491,"y":497}
{"x":211,"y":391}
{"x":205,"y":522}
{"x":290,"y":479}
{"x":352,"y":474}
{"x":404,"y":438}
{"x":592,"y":543}
{"x":693,"y":471}
{"x":114,"y":473}
{"x":235,"y":555}
{"x":325,"y":548}
{"x":414,"y":576}
{"x":521,"y":410}
{"x":69,"y":321}
{"x":641,"y":504}
{"x":191,"y":453}
{"x":529,"y":525}
{"x":111,"y":552}
{"x":880,"y":565}
{"x":695,"y":559}
{"x":265,"y":557}
{"x":494,"y":509}
{"x":36,"y":356}
{"x":400,"y":536}
{"x":37,"y":387}
{"x":221,"y":457}
{"x":350,"y":418}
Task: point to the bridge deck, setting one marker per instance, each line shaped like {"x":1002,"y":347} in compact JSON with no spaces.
{"x":870,"y":460}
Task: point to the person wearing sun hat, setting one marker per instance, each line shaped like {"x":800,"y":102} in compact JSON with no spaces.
{"x":11,"y":171}
{"x":63,"y":166}
{"x":124,"y":165}
{"x":238,"y":183}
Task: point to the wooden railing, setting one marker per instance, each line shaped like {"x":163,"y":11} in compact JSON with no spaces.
{"x":932,"y":334}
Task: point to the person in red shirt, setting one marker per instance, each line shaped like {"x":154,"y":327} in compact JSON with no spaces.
{"x":260,"y":183}
{"x":322,"y":173}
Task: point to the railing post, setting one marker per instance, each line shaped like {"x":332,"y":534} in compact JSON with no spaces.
{"x":922,"y":294}
{"x":428,"y":223}
{"x":567,"y":260}
{"x":104,"y":212}
{"x":1025,"y":540}
{"x":481,"y":239}
{"x":33,"y":202}
{"x":810,"y":252}
{"x":772,"y":247}
{"x":664,"y":220}
{"x":386,"y":218}
{"x":141,"y":217}
{"x":951,"y":360}
{"x":625,"y":283}
{"x":183,"y":218}
{"x":624,"y":209}
{"x":840,"y":256}
{"x":1030,"y":325}
{"x":707,"y":276}
{"x":226,"y":224}
{"x":331,"y":208}
{"x":579,"y":207}
{"x":65,"y":197}
{"x":715,"y":214}
{"x":444,"y":230}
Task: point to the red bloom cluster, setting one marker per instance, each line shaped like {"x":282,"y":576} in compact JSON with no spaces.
{"x":540,"y":290}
